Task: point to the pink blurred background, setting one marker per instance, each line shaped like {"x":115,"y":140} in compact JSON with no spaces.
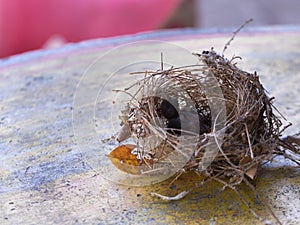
{"x":30,"y":24}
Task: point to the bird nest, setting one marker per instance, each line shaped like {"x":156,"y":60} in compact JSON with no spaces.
{"x":180,"y":103}
{"x":212,"y":118}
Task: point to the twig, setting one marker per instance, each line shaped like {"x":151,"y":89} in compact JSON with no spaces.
{"x":168,"y":198}
{"x":234,"y":34}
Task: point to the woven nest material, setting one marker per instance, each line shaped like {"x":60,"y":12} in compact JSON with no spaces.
{"x":211,"y":118}
{"x":181,"y":103}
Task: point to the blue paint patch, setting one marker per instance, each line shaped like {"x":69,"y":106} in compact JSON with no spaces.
{"x":35,"y":176}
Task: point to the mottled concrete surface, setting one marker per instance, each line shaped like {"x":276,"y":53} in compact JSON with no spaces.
{"x":45,"y":169}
